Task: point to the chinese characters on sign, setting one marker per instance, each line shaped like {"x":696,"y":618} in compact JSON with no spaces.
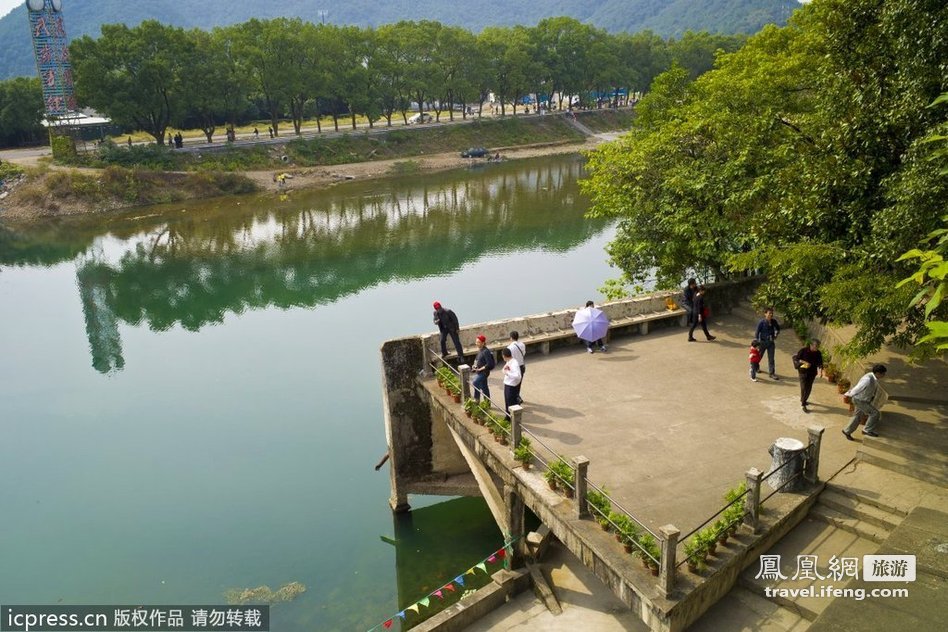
{"x":52,"y":59}
{"x":875,"y":568}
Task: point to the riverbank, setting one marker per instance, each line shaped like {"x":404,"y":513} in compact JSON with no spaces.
{"x":49,"y":191}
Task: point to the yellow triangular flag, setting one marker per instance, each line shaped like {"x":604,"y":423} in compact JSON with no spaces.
{"x":414,"y":607}
{"x":470,"y":571}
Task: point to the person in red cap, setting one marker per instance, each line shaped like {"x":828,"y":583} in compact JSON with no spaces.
{"x":447,"y":322}
{"x":483,"y":364}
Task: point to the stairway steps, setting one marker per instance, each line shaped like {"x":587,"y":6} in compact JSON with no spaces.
{"x":915,"y":449}
{"x":887,"y":504}
{"x":853,"y":525}
{"x":902,"y":465}
{"x":798,"y":608}
{"x":856,"y":508}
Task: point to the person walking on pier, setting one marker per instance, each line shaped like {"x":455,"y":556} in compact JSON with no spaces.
{"x":808,"y":361}
{"x":512,"y":381}
{"x":688,"y":300}
{"x":701,"y":316}
{"x":767,"y":331}
{"x":517,"y":351}
{"x":483,"y":363}
{"x":447,"y":322}
{"x":863,"y":395}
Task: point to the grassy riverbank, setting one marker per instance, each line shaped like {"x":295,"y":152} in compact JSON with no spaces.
{"x":119,"y":177}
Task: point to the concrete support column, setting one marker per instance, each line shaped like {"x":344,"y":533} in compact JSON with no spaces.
{"x":514,"y":507}
{"x":811,"y":471}
{"x":643,"y":328}
{"x":545,"y":347}
{"x":668,"y":566}
{"x":581,"y":464}
{"x":465,"y":371}
{"x":516,"y":429}
{"x":752,"y":499}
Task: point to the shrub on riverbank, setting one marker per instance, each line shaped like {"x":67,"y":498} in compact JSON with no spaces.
{"x":54,"y":192}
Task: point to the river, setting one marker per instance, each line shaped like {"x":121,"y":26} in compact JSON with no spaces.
{"x":190,"y":395}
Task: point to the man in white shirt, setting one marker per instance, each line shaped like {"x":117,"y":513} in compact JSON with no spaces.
{"x":518,"y":350}
{"x":512,"y":379}
{"x":863,"y":394}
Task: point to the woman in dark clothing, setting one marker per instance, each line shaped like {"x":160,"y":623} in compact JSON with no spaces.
{"x":700,"y":317}
{"x":809,"y":362}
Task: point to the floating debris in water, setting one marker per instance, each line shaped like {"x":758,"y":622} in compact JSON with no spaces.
{"x":263,"y":594}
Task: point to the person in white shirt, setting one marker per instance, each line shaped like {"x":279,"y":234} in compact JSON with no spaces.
{"x":518,"y":350}
{"x":512,"y":379}
{"x":862,"y":394}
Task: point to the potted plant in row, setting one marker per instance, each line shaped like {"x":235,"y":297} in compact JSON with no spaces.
{"x":469,"y":406}
{"x":559,"y":472}
{"x":695,"y":555}
{"x":650,"y":552}
{"x":503,"y":431}
{"x":599,"y":506}
{"x":523,"y":454}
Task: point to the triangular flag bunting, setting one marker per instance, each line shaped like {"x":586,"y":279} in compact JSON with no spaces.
{"x":459,"y":580}
{"x":502,"y":554}
{"x":402,"y":614}
{"x":425,"y":602}
{"x":492,"y":559}
{"x":413,"y":608}
{"x":438,"y":594}
{"x":470,"y":571}
{"x":387,"y":624}
{"x":449,"y":587}
{"x":482,"y":566}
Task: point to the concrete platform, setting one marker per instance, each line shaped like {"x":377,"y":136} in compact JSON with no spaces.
{"x":669,"y":425}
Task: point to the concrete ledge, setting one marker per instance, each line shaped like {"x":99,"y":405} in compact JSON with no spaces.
{"x":465,"y":612}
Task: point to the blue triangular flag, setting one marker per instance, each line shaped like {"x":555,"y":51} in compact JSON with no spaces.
{"x":459,"y":580}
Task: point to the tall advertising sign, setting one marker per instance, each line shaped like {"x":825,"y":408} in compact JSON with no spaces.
{"x":52,"y":56}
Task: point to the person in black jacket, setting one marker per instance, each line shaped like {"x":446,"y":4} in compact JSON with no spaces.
{"x":688,"y":300}
{"x":447,"y":322}
{"x":809,"y":362}
{"x":700,"y":317}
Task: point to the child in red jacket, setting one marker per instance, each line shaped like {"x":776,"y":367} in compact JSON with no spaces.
{"x":754,"y":357}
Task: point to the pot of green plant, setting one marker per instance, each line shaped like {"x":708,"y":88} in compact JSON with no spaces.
{"x":604,"y":523}
{"x":550,"y":475}
{"x":711,"y":542}
{"x":646,"y":547}
{"x":598,"y":505}
{"x":692,"y":548}
{"x":522,"y":453}
{"x":622,"y":525}
{"x":831,"y":372}
{"x":469,"y":406}
{"x":843,"y":385}
{"x":720,"y":530}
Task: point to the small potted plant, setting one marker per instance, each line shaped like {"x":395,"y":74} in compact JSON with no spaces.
{"x":622,"y":524}
{"x":562,"y":474}
{"x":693,"y":553}
{"x":711,"y":541}
{"x":599,"y":505}
{"x":831,"y":372}
{"x":630,"y":535}
{"x":469,"y":406}
{"x":721,"y":531}
{"x":503,"y":431}
{"x":550,"y":475}
{"x":843,"y":385}
{"x":648,"y":549}
{"x":522,"y":453}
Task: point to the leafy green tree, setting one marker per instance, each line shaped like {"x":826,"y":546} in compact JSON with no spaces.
{"x":21,"y":110}
{"x":799,"y":155}
{"x":135,"y":76}
{"x":263,"y":46}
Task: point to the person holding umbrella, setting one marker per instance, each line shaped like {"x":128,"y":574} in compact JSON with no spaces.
{"x":591,"y":325}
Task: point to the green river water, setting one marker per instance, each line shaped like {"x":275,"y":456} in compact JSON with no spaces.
{"x":190,"y":396}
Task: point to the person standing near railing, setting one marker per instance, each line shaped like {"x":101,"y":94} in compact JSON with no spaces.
{"x":447,"y":322}
{"x":483,"y":363}
{"x":518,"y":351}
{"x":512,"y":380}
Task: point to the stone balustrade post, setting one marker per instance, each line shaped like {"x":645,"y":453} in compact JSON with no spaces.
{"x":668,"y":566}
{"x":465,"y":371}
{"x":811,"y":471}
{"x":516,"y":429}
{"x":581,"y":465}
{"x":752,"y":499}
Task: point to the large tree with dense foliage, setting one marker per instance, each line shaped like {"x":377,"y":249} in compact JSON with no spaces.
{"x":800,"y":155}
{"x":21,"y":110}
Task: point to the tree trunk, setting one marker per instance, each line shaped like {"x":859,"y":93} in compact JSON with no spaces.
{"x":335,"y":121}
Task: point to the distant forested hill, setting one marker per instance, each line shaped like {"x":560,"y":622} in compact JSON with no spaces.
{"x":668,"y":18}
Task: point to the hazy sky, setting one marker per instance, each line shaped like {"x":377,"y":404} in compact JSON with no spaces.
{"x":8,"y":5}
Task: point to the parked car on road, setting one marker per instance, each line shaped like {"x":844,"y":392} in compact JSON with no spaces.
{"x":422,"y":117}
{"x":474,"y":152}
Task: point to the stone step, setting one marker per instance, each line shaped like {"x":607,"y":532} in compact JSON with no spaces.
{"x":855,"y":526}
{"x":811,"y":538}
{"x":743,"y":609}
{"x":898,"y":463}
{"x":856,"y":508}
{"x":886,"y":489}
{"x":888,"y":504}
{"x":797,"y":608}
{"x":922,"y":449}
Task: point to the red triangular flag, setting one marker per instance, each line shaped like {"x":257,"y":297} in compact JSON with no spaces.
{"x":387,"y":624}
{"x":502,"y":554}
{"x":449,"y":587}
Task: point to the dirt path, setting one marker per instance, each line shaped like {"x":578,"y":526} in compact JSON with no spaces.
{"x":317,"y":177}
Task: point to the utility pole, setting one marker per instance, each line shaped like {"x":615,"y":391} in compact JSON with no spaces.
{"x":322,"y":13}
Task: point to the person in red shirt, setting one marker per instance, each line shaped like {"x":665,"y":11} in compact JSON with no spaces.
{"x":754,"y":357}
